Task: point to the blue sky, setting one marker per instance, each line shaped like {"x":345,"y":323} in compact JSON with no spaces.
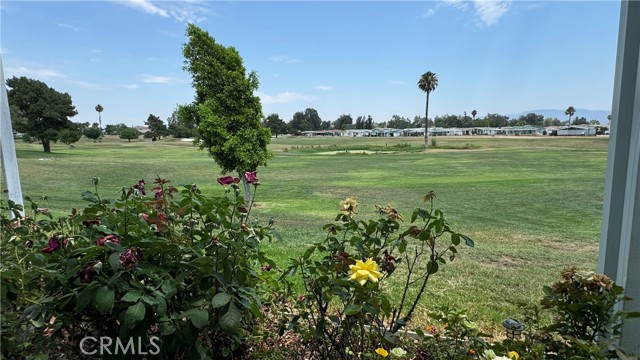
{"x":358,"y":57}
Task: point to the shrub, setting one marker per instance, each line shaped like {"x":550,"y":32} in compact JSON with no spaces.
{"x":176,"y":271}
{"x":344,"y":312}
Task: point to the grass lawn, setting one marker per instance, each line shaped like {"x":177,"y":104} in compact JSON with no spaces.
{"x":532,"y":205}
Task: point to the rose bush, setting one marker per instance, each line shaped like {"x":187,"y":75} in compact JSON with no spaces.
{"x":177,"y":265}
{"x":344,"y":312}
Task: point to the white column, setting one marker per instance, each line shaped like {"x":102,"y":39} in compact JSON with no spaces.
{"x":620,"y":236}
{"x":10,"y":174}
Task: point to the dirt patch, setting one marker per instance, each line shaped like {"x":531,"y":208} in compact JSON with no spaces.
{"x":361,"y":152}
{"x":505,"y":262}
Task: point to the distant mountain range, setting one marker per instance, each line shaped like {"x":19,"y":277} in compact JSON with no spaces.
{"x":600,"y":115}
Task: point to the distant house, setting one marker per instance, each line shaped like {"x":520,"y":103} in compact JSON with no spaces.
{"x":358,"y":133}
{"x":142,"y":129}
{"x":577,"y":130}
{"x":552,"y":130}
{"x":488,"y":131}
{"x":524,"y":130}
{"x":386,"y":132}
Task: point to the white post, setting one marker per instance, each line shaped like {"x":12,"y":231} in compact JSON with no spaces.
{"x":10,"y":174}
{"x":620,"y":235}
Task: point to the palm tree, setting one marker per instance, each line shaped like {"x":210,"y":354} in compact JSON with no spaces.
{"x":570,"y":111}
{"x":99,"y":109}
{"x":474,"y":113}
{"x":427,"y":83}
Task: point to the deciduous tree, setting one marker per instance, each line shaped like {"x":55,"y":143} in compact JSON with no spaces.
{"x":342,"y":121}
{"x":229,"y":113}
{"x":129,"y":134}
{"x":94,"y":133}
{"x":69,"y":136}
{"x":398,"y":122}
{"x":38,"y":110}
{"x":157,"y":128}
{"x":277,"y":125}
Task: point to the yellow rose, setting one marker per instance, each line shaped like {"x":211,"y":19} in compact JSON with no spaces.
{"x":382,"y":352}
{"x":364,"y":271}
{"x":513,"y":355}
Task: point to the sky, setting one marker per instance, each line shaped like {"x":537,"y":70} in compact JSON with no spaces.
{"x":338,"y":57}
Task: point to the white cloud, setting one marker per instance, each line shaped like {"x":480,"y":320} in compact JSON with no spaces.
{"x":396,"y":82}
{"x":283,"y":97}
{"x":489,"y":12}
{"x":70,"y":27}
{"x":4,"y":51}
{"x":485,"y":12}
{"x":284,"y":59}
{"x":37,"y":73}
{"x":86,"y":85}
{"x":322,"y":87}
{"x":183,"y":11}
{"x":97,"y":51}
{"x":430,"y":12}
{"x":458,"y":4}
{"x":130,"y":86}
{"x":152,"y":79}
{"x":145,"y":6}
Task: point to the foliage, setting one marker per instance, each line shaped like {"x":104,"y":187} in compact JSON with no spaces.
{"x":363,"y":122}
{"x":229,"y":112}
{"x":585,"y":324}
{"x":398,"y":122}
{"x":345,"y":311}
{"x":93,"y":132}
{"x":528,"y":119}
{"x":277,"y":125}
{"x":111,"y":129}
{"x":38,"y":110}
{"x":69,"y":136}
{"x":451,"y":336}
{"x":492,"y":120}
{"x":129,"y":134}
{"x":181,"y":124}
{"x":342,"y":121}
{"x":307,"y":121}
{"x":174,"y":264}
{"x":157,"y":128}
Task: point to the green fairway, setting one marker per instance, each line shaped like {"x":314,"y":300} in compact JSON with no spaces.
{"x":532,"y":205}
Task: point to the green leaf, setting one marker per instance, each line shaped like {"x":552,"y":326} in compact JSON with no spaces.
{"x":467,"y":240}
{"x":167,"y":328}
{"x":104,"y":299}
{"x":134,"y":314}
{"x":231,"y":321}
{"x":132,"y":296}
{"x":149,"y":300}
{"x":220,"y":299}
{"x":308,"y":252}
{"x":169,"y":289}
{"x":89,"y":196}
{"x":432,"y":267}
{"x":85,"y":296}
{"x":199,"y":318}
{"x":455,"y":239}
{"x":276,"y":235}
{"x":161,"y":307}
{"x":114,"y":261}
{"x":352,"y":309}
